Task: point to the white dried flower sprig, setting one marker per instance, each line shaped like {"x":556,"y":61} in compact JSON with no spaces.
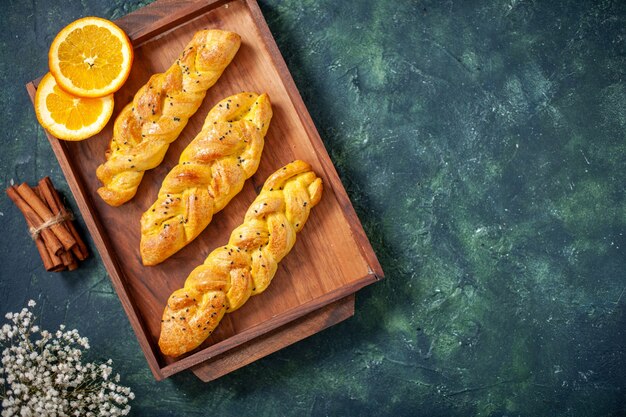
{"x":42,"y":373}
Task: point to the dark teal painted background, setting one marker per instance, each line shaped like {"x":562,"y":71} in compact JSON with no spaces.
{"x":483,"y":146}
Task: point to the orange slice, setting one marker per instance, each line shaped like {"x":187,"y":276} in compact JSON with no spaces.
{"x":69,"y":117}
{"x":91,"y":57}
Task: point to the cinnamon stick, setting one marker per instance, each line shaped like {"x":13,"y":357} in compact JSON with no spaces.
{"x":61,"y":260}
{"x":56,"y":238}
{"x":73,"y":265}
{"x":57,"y":262}
{"x":52,"y":197}
{"x":43,"y":252}
{"x":66,"y":257}
{"x":33,"y":220}
{"x":64,"y":236}
{"x":47,"y":251}
{"x":45,"y":195}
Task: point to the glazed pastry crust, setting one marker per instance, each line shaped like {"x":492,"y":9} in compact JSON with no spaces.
{"x":159,"y":111}
{"x":246,"y":265}
{"x":210,"y":172}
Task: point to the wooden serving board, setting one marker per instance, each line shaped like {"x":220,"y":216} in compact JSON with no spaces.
{"x":332,"y":257}
{"x":270,"y":342}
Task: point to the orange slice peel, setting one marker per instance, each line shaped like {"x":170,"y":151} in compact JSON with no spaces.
{"x":91,"y":57}
{"x":67,"y":116}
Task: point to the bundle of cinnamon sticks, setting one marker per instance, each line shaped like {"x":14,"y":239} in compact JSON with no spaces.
{"x":50,"y":225}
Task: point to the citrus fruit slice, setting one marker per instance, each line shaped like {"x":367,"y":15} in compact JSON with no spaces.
{"x":91,"y":57}
{"x":69,"y":117}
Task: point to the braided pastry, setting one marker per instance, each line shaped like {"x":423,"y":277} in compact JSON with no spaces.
{"x":210,"y":172}
{"x":159,"y":111}
{"x":246,"y":265}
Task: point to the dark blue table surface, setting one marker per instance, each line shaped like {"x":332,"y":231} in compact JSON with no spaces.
{"x":482,"y":144}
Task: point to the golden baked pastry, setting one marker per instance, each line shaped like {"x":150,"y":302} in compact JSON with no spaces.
{"x":210,"y":172}
{"x":246,"y":265}
{"x":160,"y":110}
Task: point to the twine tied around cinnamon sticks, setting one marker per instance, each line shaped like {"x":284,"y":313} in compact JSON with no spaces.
{"x":59,"y":218}
{"x":50,"y":225}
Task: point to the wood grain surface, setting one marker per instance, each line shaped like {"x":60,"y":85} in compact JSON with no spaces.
{"x":270,"y":342}
{"x":332,"y":257}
